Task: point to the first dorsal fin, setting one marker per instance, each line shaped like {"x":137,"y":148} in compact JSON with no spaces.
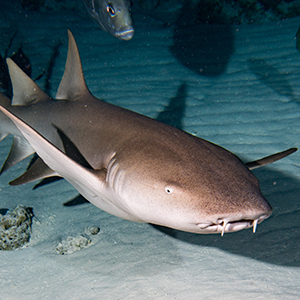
{"x":25,"y":90}
{"x":72,"y":85}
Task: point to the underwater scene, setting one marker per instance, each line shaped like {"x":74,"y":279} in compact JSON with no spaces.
{"x":149,"y":149}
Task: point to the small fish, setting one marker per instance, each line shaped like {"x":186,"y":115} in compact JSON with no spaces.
{"x":125,"y":163}
{"x":113,"y":16}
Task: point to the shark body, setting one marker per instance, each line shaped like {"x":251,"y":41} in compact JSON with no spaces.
{"x":127,"y":164}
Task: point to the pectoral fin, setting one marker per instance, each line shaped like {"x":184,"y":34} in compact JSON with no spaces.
{"x":270,"y":159}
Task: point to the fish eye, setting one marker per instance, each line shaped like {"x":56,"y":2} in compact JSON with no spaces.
{"x":168,"y":190}
{"x":110,"y":10}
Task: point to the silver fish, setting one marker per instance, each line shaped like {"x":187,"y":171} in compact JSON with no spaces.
{"x":127,"y":164}
{"x":114,"y":16}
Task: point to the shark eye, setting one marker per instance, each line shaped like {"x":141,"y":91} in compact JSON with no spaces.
{"x":168,"y":190}
{"x":110,"y":10}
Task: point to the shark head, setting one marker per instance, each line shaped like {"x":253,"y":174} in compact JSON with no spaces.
{"x":202,"y":191}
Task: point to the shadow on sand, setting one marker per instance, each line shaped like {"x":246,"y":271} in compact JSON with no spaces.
{"x":202,"y":48}
{"x":272,"y":77}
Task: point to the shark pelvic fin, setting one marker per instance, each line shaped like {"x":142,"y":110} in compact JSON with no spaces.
{"x":73,"y":83}
{"x":39,"y":170}
{"x":25,"y":90}
{"x":19,"y":150}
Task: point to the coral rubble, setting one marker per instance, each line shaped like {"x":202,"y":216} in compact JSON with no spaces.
{"x":15,"y":227}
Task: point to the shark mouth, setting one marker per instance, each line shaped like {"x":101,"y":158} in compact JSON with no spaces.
{"x":226,"y":225}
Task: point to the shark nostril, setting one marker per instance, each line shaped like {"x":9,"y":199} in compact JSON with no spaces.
{"x":263,"y":217}
{"x":203,"y":226}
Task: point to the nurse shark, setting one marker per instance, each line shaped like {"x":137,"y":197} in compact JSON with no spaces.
{"x":127,"y":164}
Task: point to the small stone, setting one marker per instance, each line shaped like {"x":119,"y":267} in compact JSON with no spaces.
{"x":72,"y":244}
{"x":93,"y":230}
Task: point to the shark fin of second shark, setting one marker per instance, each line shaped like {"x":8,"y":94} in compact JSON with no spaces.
{"x":19,"y":150}
{"x":39,"y":170}
{"x":72,"y":85}
{"x":25,"y":90}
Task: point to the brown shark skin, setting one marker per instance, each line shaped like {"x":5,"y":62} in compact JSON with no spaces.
{"x":160,"y":174}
